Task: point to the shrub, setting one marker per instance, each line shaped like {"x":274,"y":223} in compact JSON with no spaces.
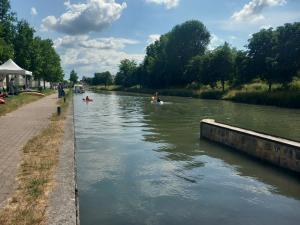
{"x":212,"y":94}
{"x":278,"y":98}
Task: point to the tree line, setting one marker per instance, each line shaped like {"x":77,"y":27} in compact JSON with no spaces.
{"x":18,"y":42}
{"x":181,"y":57}
{"x":104,"y":78}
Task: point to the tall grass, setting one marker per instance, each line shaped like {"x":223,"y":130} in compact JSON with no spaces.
{"x":290,"y":99}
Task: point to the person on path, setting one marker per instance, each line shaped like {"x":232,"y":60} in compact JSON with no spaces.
{"x":11,"y":87}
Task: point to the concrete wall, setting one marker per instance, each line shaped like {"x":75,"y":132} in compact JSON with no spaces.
{"x":278,"y":151}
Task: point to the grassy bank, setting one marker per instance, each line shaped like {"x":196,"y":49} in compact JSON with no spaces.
{"x":14,"y":102}
{"x":252,"y":93}
{"x":36,"y":175}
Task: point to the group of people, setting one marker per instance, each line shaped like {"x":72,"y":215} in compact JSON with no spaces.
{"x":12,"y":90}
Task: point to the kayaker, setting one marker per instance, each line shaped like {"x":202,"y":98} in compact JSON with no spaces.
{"x":87,"y":98}
{"x":157,"y":98}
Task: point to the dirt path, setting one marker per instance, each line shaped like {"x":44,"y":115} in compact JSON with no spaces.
{"x":16,"y":129}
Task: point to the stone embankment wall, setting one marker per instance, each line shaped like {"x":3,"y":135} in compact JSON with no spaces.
{"x":278,"y":151}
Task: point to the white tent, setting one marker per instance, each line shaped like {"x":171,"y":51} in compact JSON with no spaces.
{"x":11,"y":68}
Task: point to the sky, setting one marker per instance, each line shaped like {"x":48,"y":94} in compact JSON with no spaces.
{"x":95,"y":35}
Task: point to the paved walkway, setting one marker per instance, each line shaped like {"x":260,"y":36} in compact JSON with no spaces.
{"x":16,"y":129}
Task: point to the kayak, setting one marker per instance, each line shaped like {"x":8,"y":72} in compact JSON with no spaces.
{"x":2,"y":101}
{"x":89,"y":100}
{"x":33,"y":93}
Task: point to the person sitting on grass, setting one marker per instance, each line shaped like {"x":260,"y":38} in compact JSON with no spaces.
{"x":3,"y":95}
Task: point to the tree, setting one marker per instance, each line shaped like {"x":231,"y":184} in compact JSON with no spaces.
{"x":184,"y":42}
{"x":194,"y":69}
{"x":222,"y":64}
{"x":153,"y":70}
{"x":102,"y":78}
{"x":7,"y":31}
{"x":242,"y":68}
{"x":127,"y":73}
{"x":7,"y":20}
{"x":6,"y":50}
{"x":288,"y":51}
{"x":51,"y":69}
{"x":88,"y":80}
{"x":36,"y":58}
{"x":73,"y":77}
{"x":23,"y":44}
{"x":263,"y":55}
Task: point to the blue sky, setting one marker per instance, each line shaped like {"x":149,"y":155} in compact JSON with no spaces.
{"x":94,"y":35}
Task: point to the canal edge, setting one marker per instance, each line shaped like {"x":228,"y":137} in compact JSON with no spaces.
{"x":280,"y":152}
{"x":63,"y":200}
{"x":75,"y":166}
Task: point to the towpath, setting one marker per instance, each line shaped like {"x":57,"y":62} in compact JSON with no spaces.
{"x":16,"y":129}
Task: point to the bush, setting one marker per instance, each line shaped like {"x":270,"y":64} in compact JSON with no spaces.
{"x":212,"y":94}
{"x":278,"y":98}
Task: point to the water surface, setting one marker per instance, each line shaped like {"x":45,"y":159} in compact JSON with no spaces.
{"x":140,"y":163}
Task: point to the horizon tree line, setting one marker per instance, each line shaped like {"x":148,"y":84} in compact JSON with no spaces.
{"x":181,"y":57}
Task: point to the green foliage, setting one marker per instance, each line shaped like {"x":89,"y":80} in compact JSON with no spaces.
{"x":23,"y":44}
{"x":73,"y":77}
{"x":17,"y":41}
{"x":211,"y":94}
{"x":184,"y":42}
{"x":275,"y":53}
{"x":221,"y":64}
{"x":127,"y":73}
{"x":166,"y":59}
{"x":180,"y":58}
{"x":289,"y":99}
{"x":242,"y":69}
{"x":104,"y":78}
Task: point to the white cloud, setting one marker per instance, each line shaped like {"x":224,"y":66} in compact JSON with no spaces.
{"x":169,"y":4}
{"x":33,"y":11}
{"x":82,"y":18}
{"x":215,"y":41}
{"x":252,"y":11}
{"x":152,"y":38}
{"x":84,"y":41}
{"x":89,"y":55}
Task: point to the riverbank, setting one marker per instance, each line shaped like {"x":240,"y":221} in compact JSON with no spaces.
{"x":35,"y":178}
{"x":254,"y":93}
{"x":63,"y":205}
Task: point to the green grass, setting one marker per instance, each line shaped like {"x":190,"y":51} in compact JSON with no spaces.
{"x":14,"y":102}
{"x":290,"y":99}
{"x":35,"y":186}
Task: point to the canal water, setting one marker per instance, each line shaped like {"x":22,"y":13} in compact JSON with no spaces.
{"x":144,"y":164}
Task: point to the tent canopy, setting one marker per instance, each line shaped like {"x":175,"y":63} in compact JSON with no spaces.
{"x":10,"y":67}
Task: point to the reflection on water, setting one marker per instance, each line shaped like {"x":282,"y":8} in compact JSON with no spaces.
{"x":140,"y":163}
